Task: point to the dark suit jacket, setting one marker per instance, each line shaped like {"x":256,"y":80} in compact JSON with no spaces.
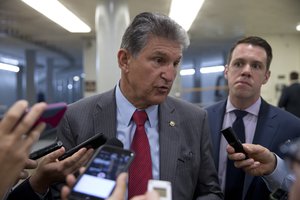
{"x":185,"y":149}
{"x":274,"y":127}
{"x":25,"y":191}
{"x":290,"y":99}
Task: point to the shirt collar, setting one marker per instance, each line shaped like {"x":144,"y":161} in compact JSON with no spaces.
{"x":125,"y":109}
{"x":253,"y":109}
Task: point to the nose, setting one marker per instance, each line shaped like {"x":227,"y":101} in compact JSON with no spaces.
{"x":169,"y":73}
{"x":246,"y":70}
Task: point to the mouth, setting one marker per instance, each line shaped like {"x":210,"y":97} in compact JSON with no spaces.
{"x":163,"y":89}
{"x":243,"y":83}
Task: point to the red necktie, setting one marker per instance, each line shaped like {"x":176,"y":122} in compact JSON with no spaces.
{"x":140,"y":170}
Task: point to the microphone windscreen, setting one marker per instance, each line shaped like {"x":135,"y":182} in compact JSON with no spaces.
{"x":114,"y":142}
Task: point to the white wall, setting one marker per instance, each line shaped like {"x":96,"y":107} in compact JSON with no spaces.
{"x":286,"y":58}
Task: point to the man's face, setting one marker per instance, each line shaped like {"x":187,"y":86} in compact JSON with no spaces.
{"x":148,"y":77}
{"x":247,"y":72}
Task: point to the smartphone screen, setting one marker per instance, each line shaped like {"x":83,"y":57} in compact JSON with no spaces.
{"x":99,"y":178}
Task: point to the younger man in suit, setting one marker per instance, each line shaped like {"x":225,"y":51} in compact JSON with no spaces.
{"x":247,"y":69}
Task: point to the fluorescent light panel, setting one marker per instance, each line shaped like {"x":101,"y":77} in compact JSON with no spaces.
{"x":212,"y":69}
{"x":187,"y":72}
{"x":184,"y":12}
{"x":9,"y":67}
{"x":58,"y":13}
{"x":298,"y":27}
{"x":9,"y":61}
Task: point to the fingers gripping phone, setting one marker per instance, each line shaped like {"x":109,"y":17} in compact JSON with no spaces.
{"x":51,"y":115}
{"x":99,"y":179}
{"x":233,"y":140}
{"x":93,"y":142}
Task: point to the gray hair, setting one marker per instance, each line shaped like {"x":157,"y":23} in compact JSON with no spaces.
{"x":147,"y":24}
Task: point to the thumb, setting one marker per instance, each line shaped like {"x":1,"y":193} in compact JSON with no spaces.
{"x":120,"y":188}
{"x":51,"y":157}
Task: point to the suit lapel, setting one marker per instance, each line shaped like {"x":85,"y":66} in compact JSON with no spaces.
{"x":265,"y":132}
{"x":104,"y":117}
{"x":169,"y":140}
{"x":216,"y":120}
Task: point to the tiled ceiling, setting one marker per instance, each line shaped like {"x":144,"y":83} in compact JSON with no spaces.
{"x":218,"y":22}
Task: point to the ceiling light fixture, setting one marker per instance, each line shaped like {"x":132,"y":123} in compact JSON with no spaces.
{"x":58,"y":13}
{"x":9,"y":67}
{"x":212,"y":69}
{"x":185,"y":12}
{"x":298,"y":27}
{"x":187,"y":72}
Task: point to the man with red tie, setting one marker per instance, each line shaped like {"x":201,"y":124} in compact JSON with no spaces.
{"x":170,"y":137}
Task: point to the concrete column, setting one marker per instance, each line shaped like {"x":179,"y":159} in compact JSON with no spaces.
{"x":30,"y":83}
{"x":20,"y":83}
{"x":112,"y":18}
{"x":49,"y":80}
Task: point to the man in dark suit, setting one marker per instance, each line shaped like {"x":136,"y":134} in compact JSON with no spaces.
{"x":247,"y":70}
{"x":177,"y":131}
{"x":290,"y":97}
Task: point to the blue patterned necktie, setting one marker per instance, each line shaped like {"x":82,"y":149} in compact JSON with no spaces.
{"x":234,"y":176}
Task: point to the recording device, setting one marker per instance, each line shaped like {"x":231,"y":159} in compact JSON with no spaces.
{"x":46,"y":150}
{"x":279,"y":194}
{"x":51,"y":115}
{"x":93,"y":142}
{"x":163,"y":188}
{"x":233,"y":140}
{"x":291,"y":150}
{"x":99,"y":179}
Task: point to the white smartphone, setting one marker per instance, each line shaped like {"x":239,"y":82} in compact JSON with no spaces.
{"x":164,"y":188}
{"x":99,"y":179}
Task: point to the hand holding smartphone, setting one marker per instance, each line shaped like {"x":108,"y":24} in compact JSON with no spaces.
{"x":46,"y":150}
{"x":53,"y":114}
{"x":99,"y":179}
{"x":233,"y":140}
{"x":93,"y":142}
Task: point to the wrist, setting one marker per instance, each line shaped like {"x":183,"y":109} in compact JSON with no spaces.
{"x":272,"y":164}
{"x":38,"y":186}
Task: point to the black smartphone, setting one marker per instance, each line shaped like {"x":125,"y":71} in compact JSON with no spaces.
{"x":93,"y":142}
{"x":99,"y":179}
{"x":233,"y":140}
{"x":46,"y":150}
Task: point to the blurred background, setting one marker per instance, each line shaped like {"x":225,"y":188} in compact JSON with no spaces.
{"x":54,"y":64}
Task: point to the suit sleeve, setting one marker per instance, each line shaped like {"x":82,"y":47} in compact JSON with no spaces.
{"x":64,"y":133}
{"x":25,"y":191}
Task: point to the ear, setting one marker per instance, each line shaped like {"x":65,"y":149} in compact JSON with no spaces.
{"x":267,"y":76}
{"x":226,"y":72}
{"x":123,"y":59}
